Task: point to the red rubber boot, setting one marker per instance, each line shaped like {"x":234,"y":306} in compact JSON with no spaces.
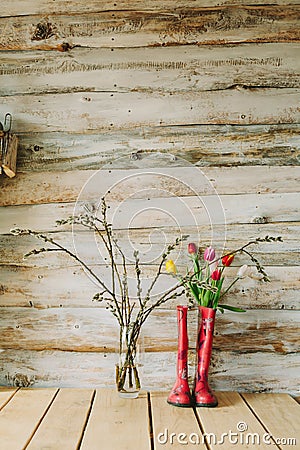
{"x":180,"y":394}
{"x":203,"y":395}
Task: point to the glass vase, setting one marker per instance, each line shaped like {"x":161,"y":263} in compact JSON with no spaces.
{"x":129,"y":365}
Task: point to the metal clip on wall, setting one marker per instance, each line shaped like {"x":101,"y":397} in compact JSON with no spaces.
{"x":8,"y":147}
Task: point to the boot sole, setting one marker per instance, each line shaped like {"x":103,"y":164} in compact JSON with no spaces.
{"x":180,"y":405}
{"x":206,"y":405}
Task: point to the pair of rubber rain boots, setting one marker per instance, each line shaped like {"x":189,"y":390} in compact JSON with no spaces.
{"x":201,"y":394}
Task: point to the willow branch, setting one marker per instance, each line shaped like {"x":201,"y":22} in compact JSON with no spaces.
{"x":138,"y":277}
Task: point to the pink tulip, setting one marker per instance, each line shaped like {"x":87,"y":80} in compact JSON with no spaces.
{"x":192,"y":249}
{"x":209,"y":254}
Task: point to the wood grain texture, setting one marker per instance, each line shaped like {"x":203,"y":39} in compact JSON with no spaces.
{"x":65,"y":286}
{"x":6,"y":394}
{"x":168,"y":70}
{"x":271,"y":410}
{"x":162,"y":212}
{"x":149,"y":421}
{"x":229,"y":370}
{"x":218,"y":421}
{"x":119,"y":432}
{"x":26,"y":409}
{"x":174,"y":421}
{"x":9,"y":159}
{"x":64,"y":421}
{"x":27,"y":7}
{"x":77,"y":329}
{"x":118,"y":185}
{"x":150,"y":244}
{"x":201,"y":145}
{"x":101,"y":111}
{"x":129,"y":87}
{"x":216,"y":25}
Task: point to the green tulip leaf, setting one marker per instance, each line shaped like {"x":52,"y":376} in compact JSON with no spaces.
{"x":232,"y":308}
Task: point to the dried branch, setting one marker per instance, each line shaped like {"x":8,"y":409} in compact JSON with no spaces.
{"x":138,"y":277}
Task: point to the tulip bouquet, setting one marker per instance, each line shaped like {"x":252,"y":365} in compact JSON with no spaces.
{"x":204,"y":281}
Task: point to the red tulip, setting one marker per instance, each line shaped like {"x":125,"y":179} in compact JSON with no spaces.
{"x":227,"y":260}
{"x":216,"y":274}
{"x":192,"y":249}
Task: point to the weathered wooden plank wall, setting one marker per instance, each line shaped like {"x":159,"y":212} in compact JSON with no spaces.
{"x":150,"y":91}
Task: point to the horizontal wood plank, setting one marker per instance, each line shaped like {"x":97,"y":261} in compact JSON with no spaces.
{"x":165,"y":70}
{"x":26,"y":409}
{"x":44,"y":7}
{"x":118,"y":185}
{"x":151,"y":243}
{"x":101,"y":111}
{"x":216,"y":25}
{"x":61,"y":286}
{"x":229,"y":370}
{"x":64,"y":422}
{"x":265,"y":378}
{"x":168,"y":212}
{"x":201,"y":145}
{"x":77,"y":329}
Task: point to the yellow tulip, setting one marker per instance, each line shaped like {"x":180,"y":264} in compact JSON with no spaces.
{"x":170,"y":267}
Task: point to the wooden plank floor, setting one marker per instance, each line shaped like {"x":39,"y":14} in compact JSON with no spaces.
{"x":87,"y":419}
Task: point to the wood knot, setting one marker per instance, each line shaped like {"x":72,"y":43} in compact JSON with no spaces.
{"x":21,"y":380}
{"x":3,"y":289}
{"x":259,"y":219}
{"x":135,"y":156}
{"x":44,"y":30}
{"x":64,"y":47}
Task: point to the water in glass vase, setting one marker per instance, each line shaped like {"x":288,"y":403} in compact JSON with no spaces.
{"x":128,"y":369}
